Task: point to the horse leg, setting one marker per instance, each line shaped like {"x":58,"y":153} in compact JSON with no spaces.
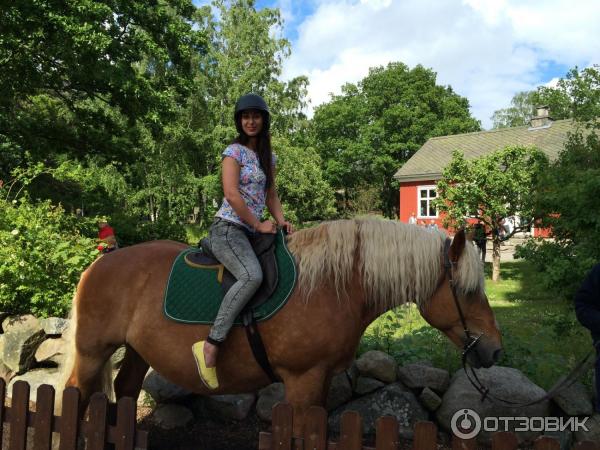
{"x":131,"y":375}
{"x":91,"y":372}
{"x":305,"y":390}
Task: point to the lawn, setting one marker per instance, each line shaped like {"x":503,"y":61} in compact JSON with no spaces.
{"x":540,"y":333}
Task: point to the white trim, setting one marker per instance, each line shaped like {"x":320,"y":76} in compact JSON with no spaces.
{"x":426,"y":187}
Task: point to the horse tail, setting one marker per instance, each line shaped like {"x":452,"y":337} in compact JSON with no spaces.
{"x":67,"y":376}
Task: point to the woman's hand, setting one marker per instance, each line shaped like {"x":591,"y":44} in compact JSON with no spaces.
{"x":287,"y":226}
{"x":267,"y":227}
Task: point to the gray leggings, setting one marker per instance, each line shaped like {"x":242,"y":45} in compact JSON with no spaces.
{"x":229,"y":243}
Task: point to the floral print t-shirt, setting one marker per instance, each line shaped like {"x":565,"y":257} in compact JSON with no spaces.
{"x":252,"y":184}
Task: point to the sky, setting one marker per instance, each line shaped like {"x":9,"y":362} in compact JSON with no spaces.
{"x":487,"y":50}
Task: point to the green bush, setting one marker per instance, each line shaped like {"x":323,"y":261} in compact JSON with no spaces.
{"x":43,"y":252}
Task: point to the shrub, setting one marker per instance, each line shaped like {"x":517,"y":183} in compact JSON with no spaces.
{"x":43,"y":252}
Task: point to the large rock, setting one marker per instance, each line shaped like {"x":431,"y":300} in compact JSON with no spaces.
{"x":379,"y":365}
{"x":430,"y":399}
{"x":365,"y":385}
{"x":394,"y":400}
{"x":51,"y":350}
{"x":236,"y":407}
{"x":267,"y":397}
{"x":340,"y":391}
{"x":418,"y":376}
{"x":54,"y":326}
{"x":36,"y":378}
{"x":171,"y":416}
{"x":162,"y":390}
{"x":574,"y":400}
{"x":504,"y":382}
{"x":22,"y":336}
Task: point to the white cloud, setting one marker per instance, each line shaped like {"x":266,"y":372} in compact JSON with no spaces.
{"x":487,"y":50}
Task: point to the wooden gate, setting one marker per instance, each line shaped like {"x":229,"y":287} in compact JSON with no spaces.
{"x":351,"y":437}
{"x":44,"y":425}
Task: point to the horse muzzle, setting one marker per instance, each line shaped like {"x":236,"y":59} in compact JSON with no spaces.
{"x":480,"y":351}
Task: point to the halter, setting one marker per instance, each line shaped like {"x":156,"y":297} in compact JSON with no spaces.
{"x":471,"y":342}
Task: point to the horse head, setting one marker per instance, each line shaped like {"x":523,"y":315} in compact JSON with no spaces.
{"x":459,"y":306}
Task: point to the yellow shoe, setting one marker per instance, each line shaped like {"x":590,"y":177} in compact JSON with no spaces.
{"x":208,"y":375}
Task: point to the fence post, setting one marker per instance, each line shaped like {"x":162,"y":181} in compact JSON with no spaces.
{"x":351,"y":431}
{"x":546,"y":443}
{"x":504,"y":440}
{"x":315,"y":429}
{"x":425,"y":437}
{"x":282,"y":426}
{"x":69,"y":419}
{"x":44,"y":415}
{"x":19,"y":407}
{"x":96,"y":430}
{"x":386,"y":429}
{"x":125,"y":429}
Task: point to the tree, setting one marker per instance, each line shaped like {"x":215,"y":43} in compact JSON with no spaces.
{"x":519,"y":113}
{"x":365,"y":133}
{"x":99,"y":67}
{"x":97,"y":85}
{"x":489,"y":189}
{"x":568,"y":195}
{"x":304,"y":193}
{"x":573,"y":96}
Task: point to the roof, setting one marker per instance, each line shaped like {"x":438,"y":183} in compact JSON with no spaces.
{"x":429,"y":161}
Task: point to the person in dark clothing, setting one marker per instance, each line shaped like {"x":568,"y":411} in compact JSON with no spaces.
{"x":587,"y":309}
{"x":480,"y":239}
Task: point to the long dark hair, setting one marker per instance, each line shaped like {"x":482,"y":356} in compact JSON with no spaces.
{"x":263,"y":147}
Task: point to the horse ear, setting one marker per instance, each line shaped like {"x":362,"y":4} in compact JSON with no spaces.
{"x":458,"y":245}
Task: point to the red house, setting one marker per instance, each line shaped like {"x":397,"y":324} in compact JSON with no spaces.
{"x":419,"y":175}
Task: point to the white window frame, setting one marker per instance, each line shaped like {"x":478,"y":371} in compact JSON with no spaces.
{"x":428,"y":187}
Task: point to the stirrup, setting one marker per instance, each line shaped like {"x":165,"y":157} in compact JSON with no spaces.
{"x":208,"y":375}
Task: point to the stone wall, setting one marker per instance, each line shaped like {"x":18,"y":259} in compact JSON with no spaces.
{"x":33,"y":349}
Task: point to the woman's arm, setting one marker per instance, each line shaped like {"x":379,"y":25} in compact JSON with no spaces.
{"x":231,"y":190}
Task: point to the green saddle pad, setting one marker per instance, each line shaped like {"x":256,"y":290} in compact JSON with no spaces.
{"x":193,"y":295}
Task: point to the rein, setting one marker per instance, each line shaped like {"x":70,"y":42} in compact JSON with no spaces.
{"x":472,"y":341}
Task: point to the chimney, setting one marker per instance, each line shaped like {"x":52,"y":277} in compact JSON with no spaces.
{"x":542,"y":118}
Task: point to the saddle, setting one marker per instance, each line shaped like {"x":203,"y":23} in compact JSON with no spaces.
{"x":264,"y":247}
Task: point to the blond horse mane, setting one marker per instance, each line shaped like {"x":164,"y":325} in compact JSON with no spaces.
{"x":398,"y":262}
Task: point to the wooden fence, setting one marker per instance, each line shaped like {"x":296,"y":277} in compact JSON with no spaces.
{"x":425,"y":435}
{"x":44,"y":425}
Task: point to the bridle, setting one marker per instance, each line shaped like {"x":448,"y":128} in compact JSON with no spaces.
{"x":472,"y":341}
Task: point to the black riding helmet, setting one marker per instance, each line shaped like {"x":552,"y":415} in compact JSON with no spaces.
{"x":252,"y":101}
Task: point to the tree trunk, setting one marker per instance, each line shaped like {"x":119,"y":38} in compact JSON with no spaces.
{"x":496,"y":259}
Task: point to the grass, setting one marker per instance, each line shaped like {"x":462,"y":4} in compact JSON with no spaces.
{"x":541,"y":336}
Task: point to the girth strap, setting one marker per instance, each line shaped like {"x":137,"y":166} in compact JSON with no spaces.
{"x":257,"y":345}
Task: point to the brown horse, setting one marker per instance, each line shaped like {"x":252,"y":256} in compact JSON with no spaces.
{"x":350,"y":272}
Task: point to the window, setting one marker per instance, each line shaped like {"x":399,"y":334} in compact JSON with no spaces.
{"x":426,"y":196}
